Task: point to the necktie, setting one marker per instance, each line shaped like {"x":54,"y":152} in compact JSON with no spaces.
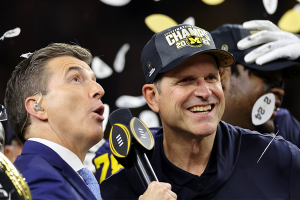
{"x":91,"y":182}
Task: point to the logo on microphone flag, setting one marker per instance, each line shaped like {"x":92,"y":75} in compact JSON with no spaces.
{"x":120,"y":140}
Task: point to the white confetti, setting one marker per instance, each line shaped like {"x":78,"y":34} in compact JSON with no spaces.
{"x":119,"y":62}
{"x":116,"y":2}
{"x":190,"y":21}
{"x":105,"y":115}
{"x":126,"y":101}
{"x":267,"y":146}
{"x":100,"y":68}
{"x":270,"y":6}
{"x":26,"y":55}
{"x":11,"y":33}
{"x":297,"y":7}
{"x":263,"y":109}
{"x":149,"y":118}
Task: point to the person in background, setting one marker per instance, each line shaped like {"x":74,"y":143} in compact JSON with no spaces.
{"x":246,"y":81}
{"x":13,"y":146}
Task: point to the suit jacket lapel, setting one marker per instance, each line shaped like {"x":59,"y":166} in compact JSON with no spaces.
{"x":77,"y":182}
{"x":56,"y":161}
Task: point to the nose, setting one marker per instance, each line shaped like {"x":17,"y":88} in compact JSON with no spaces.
{"x":201,"y":90}
{"x":97,"y":90}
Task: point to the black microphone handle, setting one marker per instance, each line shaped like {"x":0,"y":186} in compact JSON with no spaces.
{"x":143,"y":167}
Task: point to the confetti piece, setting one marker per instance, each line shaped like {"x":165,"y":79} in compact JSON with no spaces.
{"x":116,"y":2}
{"x":267,"y":147}
{"x":119,"y":62}
{"x":11,"y":33}
{"x":105,"y":115}
{"x":190,"y":21}
{"x":270,"y":6}
{"x":26,"y":55}
{"x":263,"y":109}
{"x":100,"y":68}
{"x":159,"y":22}
{"x":213,"y":2}
{"x":126,"y":101}
{"x":290,"y":21}
{"x":149,"y":118}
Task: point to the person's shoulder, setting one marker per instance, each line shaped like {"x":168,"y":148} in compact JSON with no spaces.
{"x":30,"y":162}
{"x":264,"y":138}
{"x":283,"y":115}
{"x":235,"y":130}
{"x":44,"y":180}
{"x":35,"y":167}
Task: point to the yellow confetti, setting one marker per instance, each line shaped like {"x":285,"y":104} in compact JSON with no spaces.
{"x":290,"y":21}
{"x":213,"y":2}
{"x":159,"y":22}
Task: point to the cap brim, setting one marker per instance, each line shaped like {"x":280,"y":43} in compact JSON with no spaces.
{"x":225,"y":59}
{"x":293,"y":67}
{"x":271,"y":66}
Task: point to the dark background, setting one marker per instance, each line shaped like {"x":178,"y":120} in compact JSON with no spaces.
{"x":103,"y":29}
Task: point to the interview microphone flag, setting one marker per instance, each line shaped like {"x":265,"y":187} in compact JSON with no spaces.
{"x":132,"y":143}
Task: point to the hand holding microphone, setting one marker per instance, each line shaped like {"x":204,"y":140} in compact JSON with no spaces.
{"x":158,"y":191}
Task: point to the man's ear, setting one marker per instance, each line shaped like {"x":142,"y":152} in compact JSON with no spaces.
{"x":35,"y":108}
{"x":7,"y":151}
{"x":150,"y":94}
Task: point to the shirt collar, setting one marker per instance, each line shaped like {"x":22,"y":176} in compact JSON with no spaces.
{"x":67,"y":155}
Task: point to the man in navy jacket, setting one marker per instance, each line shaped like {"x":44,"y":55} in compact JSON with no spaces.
{"x":54,"y":105}
{"x":200,"y":156}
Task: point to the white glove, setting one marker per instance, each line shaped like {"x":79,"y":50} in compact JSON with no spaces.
{"x":279,"y":44}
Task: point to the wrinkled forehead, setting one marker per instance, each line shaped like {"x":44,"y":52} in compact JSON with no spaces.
{"x":65,"y":64}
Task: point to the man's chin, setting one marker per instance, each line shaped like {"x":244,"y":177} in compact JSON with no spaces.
{"x":267,"y":127}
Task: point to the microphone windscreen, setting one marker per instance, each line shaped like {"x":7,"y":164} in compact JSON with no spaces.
{"x":121,"y":115}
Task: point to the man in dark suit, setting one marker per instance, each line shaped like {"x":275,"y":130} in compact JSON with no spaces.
{"x":54,"y":105}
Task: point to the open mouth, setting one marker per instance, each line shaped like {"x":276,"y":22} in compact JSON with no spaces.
{"x":99,"y":110}
{"x":202,"y":109}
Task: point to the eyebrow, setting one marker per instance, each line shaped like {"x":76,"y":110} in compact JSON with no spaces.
{"x":76,"y":68}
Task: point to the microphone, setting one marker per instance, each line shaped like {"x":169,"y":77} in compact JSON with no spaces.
{"x":131,"y":142}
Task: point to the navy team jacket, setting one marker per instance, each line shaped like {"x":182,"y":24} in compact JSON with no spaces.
{"x":232,"y":171}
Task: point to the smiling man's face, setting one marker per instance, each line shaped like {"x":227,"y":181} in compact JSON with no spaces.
{"x":191,"y":100}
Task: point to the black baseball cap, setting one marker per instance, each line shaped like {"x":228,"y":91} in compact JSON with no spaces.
{"x":226,"y":38}
{"x":171,"y":47}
